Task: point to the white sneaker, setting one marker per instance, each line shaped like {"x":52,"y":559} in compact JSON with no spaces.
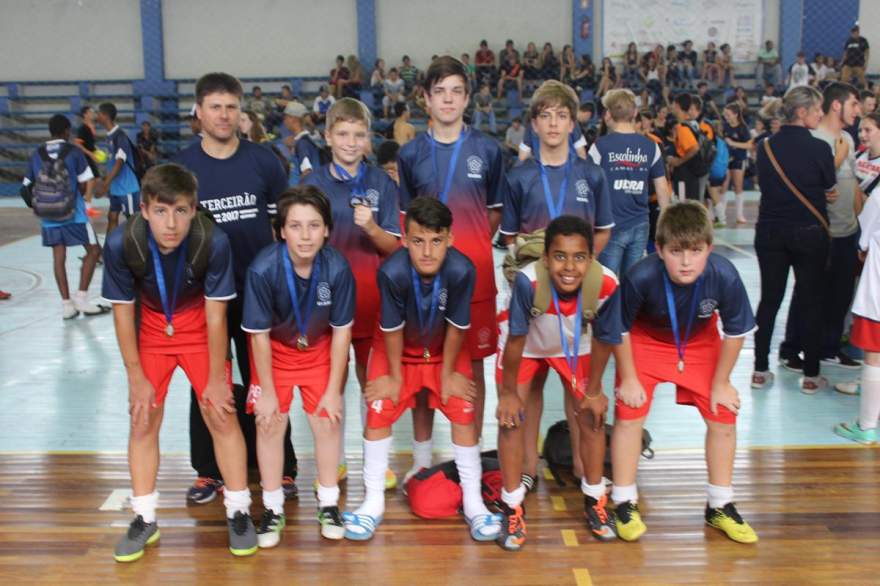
{"x":86,"y":307}
{"x":68,"y":311}
{"x":847,"y":388}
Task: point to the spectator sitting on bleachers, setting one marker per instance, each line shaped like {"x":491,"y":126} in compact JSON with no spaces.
{"x":531,"y":64}
{"x":513,"y":137}
{"x":799,"y":72}
{"x":386,"y":157}
{"x":673,"y":67}
{"x":409,"y":74}
{"x":511,"y":74}
{"x":394,"y":91}
{"x":710,"y":109}
{"x":508,"y":51}
{"x":258,"y":104}
{"x":276,"y":114}
{"x":725,"y":64}
{"x":323,"y":103}
{"x":688,"y":63}
{"x":585,"y":75}
{"x":711,"y":66}
{"x":337,"y":75}
{"x":470,"y":69}
{"x":485,"y":62}
{"x":769,"y":93}
{"x":377,"y":78}
{"x":768,"y":69}
{"x":819,"y":70}
{"x":483,"y":107}
{"x":403,"y":131}
{"x":608,"y":79}
{"x":350,"y":87}
{"x":630,"y":74}
{"x":650,"y":74}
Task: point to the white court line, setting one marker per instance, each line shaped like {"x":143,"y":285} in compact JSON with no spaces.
{"x":117,"y":501}
{"x":736,"y":248}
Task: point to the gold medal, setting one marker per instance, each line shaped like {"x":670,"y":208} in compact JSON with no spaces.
{"x":302,"y":343}
{"x":681,"y":365}
{"x":574,"y":384}
{"x":426,"y":354}
{"x":169,"y":330}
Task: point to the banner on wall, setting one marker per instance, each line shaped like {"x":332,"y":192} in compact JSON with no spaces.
{"x":736,"y":22}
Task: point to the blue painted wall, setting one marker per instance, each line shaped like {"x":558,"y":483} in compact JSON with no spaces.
{"x":826,"y":26}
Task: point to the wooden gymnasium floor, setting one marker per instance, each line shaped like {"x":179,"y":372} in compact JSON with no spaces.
{"x":811,"y":496}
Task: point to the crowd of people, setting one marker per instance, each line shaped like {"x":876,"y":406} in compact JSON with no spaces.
{"x":302,"y":252}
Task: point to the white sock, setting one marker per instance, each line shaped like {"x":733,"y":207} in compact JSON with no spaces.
{"x":515,"y":498}
{"x":328,"y":496}
{"x":273,"y":500}
{"x":81,"y":296}
{"x":597,"y":491}
{"x":467,"y":460}
{"x":721,"y":210}
{"x":375,"y":464}
{"x":422,"y":454}
{"x":236,"y":501}
{"x":719,"y":495}
{"x":869,"y":404}
{"x":740,"y":205}
{"x":621,"y":494}
{"x":145,"y":506}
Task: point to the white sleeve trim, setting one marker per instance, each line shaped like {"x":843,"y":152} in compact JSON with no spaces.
{"x":581,"y":142}
{"x":464,"y":327}
{"x":343,"y":326}
{"x":85,"y":175}
{"x":395,"y":234}
{"x":525,"y":148}
{"x":305,"y":165}
{"x":250,"y":331}
{"x":657,"y":156}
{"x":25,"y":181}
{"x":742,"y":335}
{"x":594,"y":154}
{"x":118,"y":301}
{"x":227,"y":298}
{"x":394,"y":329}
{"x":495,"y":205}
{"x":508,"y":233}
{"x":120,"y":154}
{"x":608,"y":227}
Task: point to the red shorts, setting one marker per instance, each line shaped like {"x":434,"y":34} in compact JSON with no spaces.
{"x":482,"y":336}
{"x":416,"y":376}
{"x":159,"y":368}
{"x":657,"y":362}
{"x":290,"y":369}
{"x":531,"y":368}
{"x":865,"y":334}
{"x":362,"y":350}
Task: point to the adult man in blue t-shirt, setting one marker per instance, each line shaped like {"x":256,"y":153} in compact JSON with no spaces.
{"x":239,"y":183}
{"x":631,"y":162}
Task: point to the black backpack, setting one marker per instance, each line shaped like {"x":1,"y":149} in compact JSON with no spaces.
{"x":137,"y":253}
{"x":51,"y":194}
{"x":558,"y":455}
{"x":139,"y":165}
{"x":700,"y":163}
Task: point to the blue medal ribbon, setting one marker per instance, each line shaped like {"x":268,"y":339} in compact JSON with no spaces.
{"x":554,"y":208}
{"x":681,"y":344}
{"x":425,"y":328}
{"x":358,"y":191}
{"x":571,"y":352}
{"x":443,"y":196}
{"x":167,"y":308}
{"x":301,"y":315}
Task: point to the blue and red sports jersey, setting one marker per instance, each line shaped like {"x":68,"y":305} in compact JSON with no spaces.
{"x":241,"y":192}
{"x":188,"y":317}
{"x":399,"y":310}
{"x":630,"y":161}
{"x":477,"y":184}
{"x":644,"y":300}
{"x":525,"y":203}
{"x":267,"y":300}
{"x":351,"y":240}
{"x":542,"y":332}
{"x":77,"y":168}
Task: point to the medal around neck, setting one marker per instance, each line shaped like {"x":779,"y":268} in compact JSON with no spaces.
{"x":301,"y":315}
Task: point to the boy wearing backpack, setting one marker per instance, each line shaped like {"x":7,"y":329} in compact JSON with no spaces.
{"x":670,"y":305}
{"x":173,"y":267}
{"x":558,"y":303}
{"x":694,"y":149}
{"x":57,"y":176}
{"x":121,"y":181}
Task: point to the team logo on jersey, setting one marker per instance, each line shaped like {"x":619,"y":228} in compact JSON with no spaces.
{"x":707,"y":308}
{"x":372,"y":199}
{"x":583,"y":190}
{"x":324,"y":294}
{"x":475,"y":167}
{"x":441,"y":299}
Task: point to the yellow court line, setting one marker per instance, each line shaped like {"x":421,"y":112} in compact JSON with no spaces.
{"x":582,"y":577}
{"x":558,"y":503}
{"x":569,"y":538}
{"x":547,"y":474}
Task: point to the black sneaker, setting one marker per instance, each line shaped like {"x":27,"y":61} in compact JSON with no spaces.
{"x":512,"y":536}
{"x":242,"y":535}
{"x":530,"y":482}
{"x":599,"y":521}
{"x":792,"y":363}
{"x":842,"y":361}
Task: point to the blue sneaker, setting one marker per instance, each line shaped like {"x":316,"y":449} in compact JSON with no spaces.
{"x":204,"y":490}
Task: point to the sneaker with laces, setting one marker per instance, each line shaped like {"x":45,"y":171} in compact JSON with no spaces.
{"x":729,"y":521}
{"x":204,"y":490}
{"x":242,"y":535}
{"x":792,"y":363}
{"x":628,"y":521}
{"x":139,"y":535}
{"x":68,"y":311}
{"x":330,"y":520}
{"x":842,"y":361}
{"x":599,"y":521}
{"x":852,"y":387}
{"x":288,"y":485}
{"x":269,"y":531}
{"x":810,"y":385}
{"x":853,"y":431}
{"x":530,"y":482}
{"x":512,"y":536}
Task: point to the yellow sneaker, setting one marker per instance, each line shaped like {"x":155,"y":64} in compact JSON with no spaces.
{"x":390,"y":479}
{"x":728,"y":520}
{"x":628,"y":521}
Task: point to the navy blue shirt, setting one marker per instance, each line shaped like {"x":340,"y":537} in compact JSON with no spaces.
{"x":308,"y":155}
{"x":525,"y":203}
{"x":809,"y":165}
{"x":739,"y":134}
{"x":267,"y":300}
{"x":644,"y":299}
{"x":631,"y":162}
{"x":241,"y":192}
{"x":400,"y":301}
